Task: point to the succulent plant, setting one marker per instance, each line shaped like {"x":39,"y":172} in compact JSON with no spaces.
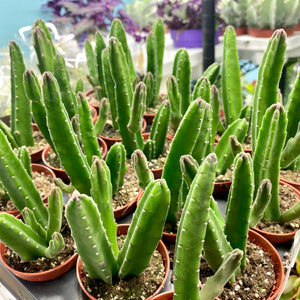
{"x":231,"y":81}
{"x":39,"y":234}
{"x":94,"y":229}
{"x":188,"y":131}
{"x":20,"y":132}
{"x":266,"y":89}
{"x":272,"y":14}
{"x":190,"y":239}
{"x":233,"y":12}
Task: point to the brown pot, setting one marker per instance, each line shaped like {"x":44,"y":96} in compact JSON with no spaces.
{"x":110,"y":141}
{"x":122,"y":230}
{"x":129,"y":207}
{"x":61,"y":173}
{"x":35,"y":168}
{"x":39,"y":276}
{"x":295,"y":184}
{"x":238,"y":30}
{"x":266,"y":246}
{"x":94,"y":113}
{"x":267,"y":33}
{"x":88,"y":93}
{"x":149,"y":118}
{"x":37,"y":155}
{"x":221,"y":189}
{"x":278,"y":238}
{"x":156,"y":172}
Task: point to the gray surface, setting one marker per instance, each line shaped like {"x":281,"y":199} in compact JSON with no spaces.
{"x":66,"y":287}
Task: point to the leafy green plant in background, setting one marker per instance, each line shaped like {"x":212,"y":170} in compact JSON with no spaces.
{"x":233,"y":12}
{"x":272,"y":14}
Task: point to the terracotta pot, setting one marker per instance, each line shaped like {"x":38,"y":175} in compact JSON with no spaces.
{"x":297,"y":27}
{"x":276,"y":260}
{"x":94,"y":113}
{"x":129,"y":207}
{"x":221,"y":189}
{"x":295,"y":184}
{"x":267,"y":33}
{"x":89,"y":93}
{"x":278,"y":238}
{"x":149,"y":118}
{"x":37,"y":155}
{"x":122,"y":230}
{"x":156,"y":172}
{"x":238,"y":30}
{"x":110,"y":141}
{"x":61,"y":173}
{"x":40,"y":276}
{"x":35,"y":168}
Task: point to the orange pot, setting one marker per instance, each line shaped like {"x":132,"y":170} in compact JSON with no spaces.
{"x":267,"y":33}
{"x":278,"y":238}
{"x":122,"y":229}
{"x":61,"y":173}
{"x":35,"y":168}
{"x":266,"y":246}
{"x":37,"y":155}
{"x":110,"y":141}
{"x":156,"y":172}
{"x":129,"y":207}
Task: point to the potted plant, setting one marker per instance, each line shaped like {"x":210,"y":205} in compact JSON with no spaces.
{"x":95,"y":231}
{"x":249,"y":211}
{"x":184,"y":20}
{"x":39,"y":234}
{"x":22,"y":132}
{"x":264,"y":17}
{"x":233,"y":12}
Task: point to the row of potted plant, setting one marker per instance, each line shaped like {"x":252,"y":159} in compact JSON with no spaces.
{"x":187,"y":181}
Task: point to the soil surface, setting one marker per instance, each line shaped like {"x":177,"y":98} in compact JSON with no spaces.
{"x":288,"y":198}
{"x":44,"y":264}
{"x":255,"y":281}
{"x":290,"y":175}
{"x":128,"y":191}
{"x":43,"y":182}
{"x":39,"y":142}
{"x":137,"y":288}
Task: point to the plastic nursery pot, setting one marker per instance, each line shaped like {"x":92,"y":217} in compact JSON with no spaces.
{"x":110,"y":141}
{"x":267,"y":33}
{"x":149,"y":118}
{"x":266,"y":246}
{"x":122,"y":230}
{"x":61,"y":173}
{"x":221,"y":188}
{"x":156,"y":172}
{"x":295,"y":184}
{"x":36,"y":155}
{"x":94,"y":113}
{"x":129,"y":207}
{"x":89,"y":93}
{"x":40,"y":169}
{"x":279,"y":238}
{"x":39,"y":276}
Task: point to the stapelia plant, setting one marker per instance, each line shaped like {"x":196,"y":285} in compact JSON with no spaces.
{"x":179,"y":87}
{"x":242,"y":209}
{"x":20,"y":132}
{"x":267,"y":156}
{"x":186,"y":141}
{"x":190,"y":239}
{"x":94,"y":229}
{"x":39,"y":235}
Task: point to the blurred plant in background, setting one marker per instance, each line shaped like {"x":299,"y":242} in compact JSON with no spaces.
{"x":88,"y":16}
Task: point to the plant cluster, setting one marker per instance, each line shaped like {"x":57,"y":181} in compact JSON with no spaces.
{"x":180,"y":14}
